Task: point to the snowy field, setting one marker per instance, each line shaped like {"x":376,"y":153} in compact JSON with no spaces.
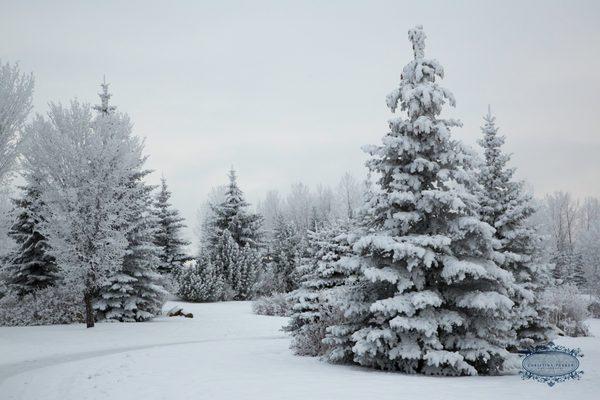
{"x":226,"y":352}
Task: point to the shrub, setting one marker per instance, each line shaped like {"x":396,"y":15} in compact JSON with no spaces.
{"x":567,"y":309}
{"x":49,"y":306}
{"x":277,"y":304}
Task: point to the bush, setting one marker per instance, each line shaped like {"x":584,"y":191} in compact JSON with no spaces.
{"x":277,"y":304}
{"x":567,"y":309}
{"x":200,"y":281}
{"x":49,"y":306}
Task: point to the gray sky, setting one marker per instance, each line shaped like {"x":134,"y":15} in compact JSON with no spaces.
{"x":289,"y":91}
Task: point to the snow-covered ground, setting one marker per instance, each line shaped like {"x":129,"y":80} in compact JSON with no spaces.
{"x":226,"y":352}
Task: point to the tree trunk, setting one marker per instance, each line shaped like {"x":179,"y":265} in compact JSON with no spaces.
{"x":89,"y":309}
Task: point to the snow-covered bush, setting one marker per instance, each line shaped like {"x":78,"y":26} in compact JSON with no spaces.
{"x":200,"y":281}
{"x":568,"y":309}
{"x":49,"y":306}
{"x":277,"y":304}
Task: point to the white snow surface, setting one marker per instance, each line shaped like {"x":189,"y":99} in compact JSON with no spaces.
{"x":226,"y":352}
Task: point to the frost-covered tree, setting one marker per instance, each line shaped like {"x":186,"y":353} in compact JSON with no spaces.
{"x":285,"y":248}
{"x":16,"y":93}
{"x":85,"y":166}
{"x":168,"y":235}
{"x":313,"y":303}
{"x":232,"y":214}
{"x":134,"y":292}
{"x":429,"y":298}
{"x":31,"y":267}
{"x":200,"y":281}
{"x":237,"y":265}
{"x":507,"y":207}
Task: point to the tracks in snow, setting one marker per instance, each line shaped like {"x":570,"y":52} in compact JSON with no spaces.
{"x":10,"y":370}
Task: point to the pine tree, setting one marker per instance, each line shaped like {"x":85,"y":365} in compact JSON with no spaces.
{"x":232,"y":214}
{"x":31,"y":267}
{"x":135,"y":291}
{"x":314,"y":307}
{"x":168,"y":235}
{"x":507,"y":207}
{"x":286,"y":248}
{"x":200,"y":281}
{"x":429,"y":297}
{"x":238,"y":267}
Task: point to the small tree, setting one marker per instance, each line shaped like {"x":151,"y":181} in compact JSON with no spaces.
{"x":168,"y":235}
{"x":313,"y":303}
{"x":32,"y":267}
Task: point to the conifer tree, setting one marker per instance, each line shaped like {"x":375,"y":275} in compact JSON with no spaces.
{"x":284,"y":253}
{"x":200,"y":281}
{"x":31,"y":267}
{"x":507,"y":207}
{"x":168,"y":235}
{"x":313,"y":303}
{"x":232,"y":214}
{"x":135,"y":291}
{"x":429,"y":299}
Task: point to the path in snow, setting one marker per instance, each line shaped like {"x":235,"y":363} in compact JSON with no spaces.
{"x":226,"y":352}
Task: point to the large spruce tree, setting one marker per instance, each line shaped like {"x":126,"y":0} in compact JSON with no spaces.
{"x":168,"y":235}
{"x":429,"y":299}
{"x":506,"y":206}
{"x":31,"y":266}
{"x":135,"y":291}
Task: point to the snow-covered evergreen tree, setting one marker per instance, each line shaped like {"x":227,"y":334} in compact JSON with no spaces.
{"x":200,"y":281}
{"x":134,"y":292}
{"x":507,"y":207}
{"x":232,"y":214}
{"x":31,"y":267}
{"x":237,"y":266}
{"x":168,"y":236}
{"x":313,"y":302}
{"x":430,"y":299}
{"x":285,"y":249}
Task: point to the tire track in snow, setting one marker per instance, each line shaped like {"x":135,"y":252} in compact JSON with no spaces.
{"x":10,"y":370}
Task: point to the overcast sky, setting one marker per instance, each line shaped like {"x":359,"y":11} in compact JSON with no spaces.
{"x":289,"y":91}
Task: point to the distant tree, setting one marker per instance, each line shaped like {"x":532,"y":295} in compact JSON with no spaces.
{"x":168,"y":236}
{"x":232,"y":214}
{"x":284,"y":252}
{"x":200,"y":281}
